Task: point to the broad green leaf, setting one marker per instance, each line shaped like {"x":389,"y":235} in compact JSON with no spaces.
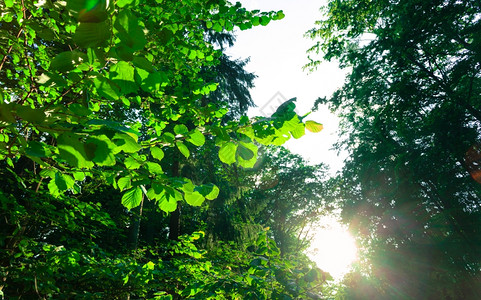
{"x":60,"y":183}
{"x":156,"y":191}
{"x":31,"y":115}
{"x":157,"y":153}
{"x":264,"y":20}
{"x":154,"y":82}
{"x":6,"y":113}
{"x":213,"y":194}
{"x":79,"y":176}
{"x":89,"y":11}
{"x":132,"y":198}
{"x":143,"y":63}
{"x":313,"y":126}
{"x":47,"y":173}
{"x":129,"y":30}
{"x":227,"y":153}
{"x":100,"y":150}
{"x":196,"y":138}
{"x":244,"y":152}
{"x":131,"y":163}
{"x":154,"y":168}
{"x":36,"y":149}
{"x":194,"y":199}
{"x":180,"y":129}
{"x":91,"y":35}
{"x":248,"y":157}
{"x":122,"y":73}
{"x":126,"y":143}
{"x":183,"y":148}
{"x":209,"y":191}
{"x":124,"y":183}
{"x":106,"y":88}
{"x":122,"y":3}
{"x":71,"y":149}
{"x":298,"y":132}
{"x":66,"y":61}
{"x":188,"y":186}
{"x":167,"y":204}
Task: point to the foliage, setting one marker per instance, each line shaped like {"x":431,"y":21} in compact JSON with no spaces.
{"x":411,"y":122}
{"x":102,"y":91}
{"x":106,"y":112}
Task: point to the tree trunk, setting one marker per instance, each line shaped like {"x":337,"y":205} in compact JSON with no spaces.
{"x":174,"y":222}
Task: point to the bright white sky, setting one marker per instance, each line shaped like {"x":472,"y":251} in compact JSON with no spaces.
{"x":278,"y":53}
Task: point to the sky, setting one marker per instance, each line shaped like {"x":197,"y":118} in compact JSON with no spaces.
{"x":277,"y":54}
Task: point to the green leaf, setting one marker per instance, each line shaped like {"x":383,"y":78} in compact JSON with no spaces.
{"x":72,"y":151}
{"x":313,"y":126}
{"x":126,"y":143}
{"x":124,"y":183}
{"x":122,"y":3}
{"x":154,"y":82}
{"x":180,"y":129}
{"x":60,"y":183}
{"x":132,"y":198}
{"x":244,"y":152}
{"x":196,"y":138}
{"x":79,"y":176}
{"x":88,"y":11}
{"x":47,"y":173}
{"x":227,"y":153}
{"x":31,"y":115}
{"x":122,"y":74}
{"x":183,"y":148}
{"x":154,"y":168}
{"x":264,"y":20}
{"x":247,"y":157}
{"x":67,"y":61}
{"x":91,"y":35}
{"x":157,"y":153}
{"x":167,"y":204}
{"x":106,"y":88}
{"x":299,"y":131}
{"x":209,"y":191}
{"x":144,"y":64}
{"x":129,"y":30}
{"x":100,"y":150}
{"x":36,"y":149}
{"x":194,"y":199}
{"x":131,"y":163}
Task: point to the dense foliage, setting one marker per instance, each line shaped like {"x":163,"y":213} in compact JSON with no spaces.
{"x":117,"y":121}
{"x":411,"y":121}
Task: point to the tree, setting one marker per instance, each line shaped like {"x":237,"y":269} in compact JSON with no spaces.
{"x":411,"y":120}
{"x":101,"y":106}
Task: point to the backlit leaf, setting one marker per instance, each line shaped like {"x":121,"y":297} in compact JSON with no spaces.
{"x":313,"y":126}
{"x":183,"y":148}
{"x":132,"y":198}
{"x":196,"y":138}
{"x":157,"y":153}
{"x":227,"y":153}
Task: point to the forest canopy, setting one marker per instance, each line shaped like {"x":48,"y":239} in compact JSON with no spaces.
{"x":130,"y":170}
{"x":128,"y":167}
{"x":411,"y":120}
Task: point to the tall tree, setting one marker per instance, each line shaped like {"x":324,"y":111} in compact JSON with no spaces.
{"x":101,"y":105}
{"x":411,"y":121}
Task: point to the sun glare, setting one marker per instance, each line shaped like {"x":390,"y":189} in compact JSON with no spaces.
{"x":332,"y":248}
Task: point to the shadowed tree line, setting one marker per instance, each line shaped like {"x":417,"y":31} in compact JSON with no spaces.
{"x":411,"y":120}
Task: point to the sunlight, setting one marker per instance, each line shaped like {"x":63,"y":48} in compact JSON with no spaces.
{"x":332,"y":248}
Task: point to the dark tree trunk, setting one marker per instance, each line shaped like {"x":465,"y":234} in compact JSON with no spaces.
{"x":174,"y":222}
